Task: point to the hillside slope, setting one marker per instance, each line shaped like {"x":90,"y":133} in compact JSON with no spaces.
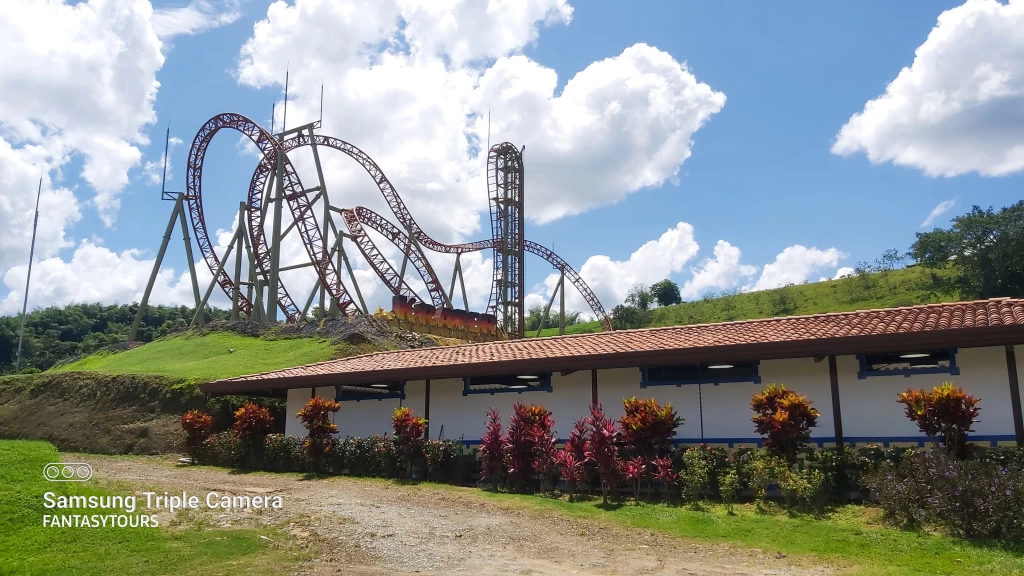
{"x":903,"y":287}
{"x":128,"y":399}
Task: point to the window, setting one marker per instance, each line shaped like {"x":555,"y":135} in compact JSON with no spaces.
{"x":506,"y":383}
{"x":379,"y":391}
{"x":704,"y":373}
{"x":908,"y":363}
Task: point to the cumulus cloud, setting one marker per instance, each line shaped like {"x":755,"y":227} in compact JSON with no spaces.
{"x":611,"y":279}
{"x":81,"y":79}
{"x":723,"y":271}
{"x":942,"y":208}
{"x":619,"y":125}
{"x":154,"y":169}
{"x":198,"y":16}
{"x":956,"y":109}
{"x":794,"y":265}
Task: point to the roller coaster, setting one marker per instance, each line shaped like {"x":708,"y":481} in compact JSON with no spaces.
{"x":275,"y":186}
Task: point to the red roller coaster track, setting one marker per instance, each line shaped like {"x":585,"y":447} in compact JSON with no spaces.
{"x":359,"y":219}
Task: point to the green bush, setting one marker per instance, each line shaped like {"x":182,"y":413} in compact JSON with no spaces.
{"x":283,"y":453}
{"x":222,"y":449}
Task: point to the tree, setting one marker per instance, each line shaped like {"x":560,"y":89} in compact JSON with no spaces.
{"x":666,"y":293}
{"x":640,"y":297}
{"x":627,"y":317}
{"x":985,"y":249}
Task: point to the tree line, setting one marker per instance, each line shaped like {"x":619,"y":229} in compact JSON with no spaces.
{"x":983,"y":249}
{"x":55,"y":334}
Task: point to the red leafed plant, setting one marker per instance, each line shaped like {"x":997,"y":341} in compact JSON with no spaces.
{"x":602,"y":450}
{"x":571,"y":469}
{"x":316,"y":417}
{"x":635,"y":470}
{"x":197,"y":426}
{"x":947,"y":412}
{"x":647,"y":427}
{"x":784,"y":418}
{"x":252,"y":424}
{"x":546,"y":461}
{"x":528,"y":425}
{"x":666,"y":475}
{"x":408,"y":431}
{"x":492,"y":450}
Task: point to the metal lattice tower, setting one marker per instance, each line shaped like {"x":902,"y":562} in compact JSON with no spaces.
{"x":505,"y":189}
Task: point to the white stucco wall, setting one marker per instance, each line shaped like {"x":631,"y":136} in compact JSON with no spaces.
{"x":870,"y":409}
{"x":869,"y":406}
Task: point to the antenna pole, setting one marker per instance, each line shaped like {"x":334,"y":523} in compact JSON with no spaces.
{"x":28,"y":277}
{"x":167,"y":148}
{"x":321,"y":121}
{"x":284,"y":121}
{"x":273,"y":109}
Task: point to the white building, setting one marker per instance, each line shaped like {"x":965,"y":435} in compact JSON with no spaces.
{"x":850,"y":365}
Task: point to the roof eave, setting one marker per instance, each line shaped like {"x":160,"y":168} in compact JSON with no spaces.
{"x":927,"y":339}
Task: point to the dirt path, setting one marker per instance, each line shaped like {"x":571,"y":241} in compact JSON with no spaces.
{"x":365,"y":527}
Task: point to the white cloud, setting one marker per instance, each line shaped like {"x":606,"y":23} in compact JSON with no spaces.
{"x":20,"y":169}
{"x":419,"y":107}
{"x":612,"y":279}
{"x":81,"y":80}
{"x":956,"y":108}
{"x":794,"y":265}
{"x":843,"y":273}
{"x":96,"y":274}
{"x":942,"y":208}
{"x":722,"y":271}
{"x":154,"y":169}
{"x":198,"y":16}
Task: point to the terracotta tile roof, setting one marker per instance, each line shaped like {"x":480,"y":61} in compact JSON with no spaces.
{"x":791,"y":336}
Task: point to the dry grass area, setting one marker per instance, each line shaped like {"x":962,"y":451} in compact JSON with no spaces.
{"x":371,"y":527}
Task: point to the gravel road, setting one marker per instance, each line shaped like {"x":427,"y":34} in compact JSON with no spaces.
{"x":367,"y":528}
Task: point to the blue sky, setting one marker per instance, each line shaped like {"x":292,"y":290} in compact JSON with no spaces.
{"x":762,"y":173}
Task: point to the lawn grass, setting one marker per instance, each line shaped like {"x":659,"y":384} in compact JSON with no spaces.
{"x":904,"y":287}
{"x":27,"y":548}
{"x":848,"y":538}
{"x":205,"y":357}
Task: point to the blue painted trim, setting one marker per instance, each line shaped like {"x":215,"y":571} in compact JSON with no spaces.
{"x":865,"y":373}
{"x":349,"y":396}
{"x":646,"y":383}
{"x":545,"y":386}
{"x":991,"y":439}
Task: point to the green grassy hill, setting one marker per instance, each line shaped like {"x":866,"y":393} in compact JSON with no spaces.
{"x":210,"y":356}
{"x":904,"y":287}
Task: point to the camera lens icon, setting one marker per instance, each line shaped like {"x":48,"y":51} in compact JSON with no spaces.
{"x":67,"y":472}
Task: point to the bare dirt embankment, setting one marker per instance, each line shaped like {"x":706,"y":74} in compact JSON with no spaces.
{"x":370,"y":528}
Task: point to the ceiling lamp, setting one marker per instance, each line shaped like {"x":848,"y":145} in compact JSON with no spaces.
{"x":527,"y":377}
{"x":378,"y":385}
{"x":720,"y":366}
{"x":518,"y":387}
{"x":915,"y":355}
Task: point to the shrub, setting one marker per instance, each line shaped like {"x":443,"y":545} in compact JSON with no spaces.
{"x":222,"y":449}
{"x":803,"y":490}
{"x":729,"y":488}
{"x":947,"y":412}
{"x":571,"y":469}
{"x":666,"y":476}
{"x":492,"y":452}
{"x":197,"y":426}
{"x":527,"y":426}
{"x":635,"y":469}
{"x":979,"y":499}
{"x":694,"y":476}
{"x":445,"y":461}
{"x":647,"y":427}
{"x":319,"y":441}
{"x":282,"y":453}
{"x":764,"y":469}
{"x":409,"y":431}
{"x":784,"y":418}
{"x":252,"y":424}
{"x":602,"y":450}
{"x":546,"y":461}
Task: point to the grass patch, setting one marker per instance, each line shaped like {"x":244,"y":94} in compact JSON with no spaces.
{"x":848,"y":538}
{"x":205,"y":357}
{"x":26,"y":547}
{"x":904,"y":287}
